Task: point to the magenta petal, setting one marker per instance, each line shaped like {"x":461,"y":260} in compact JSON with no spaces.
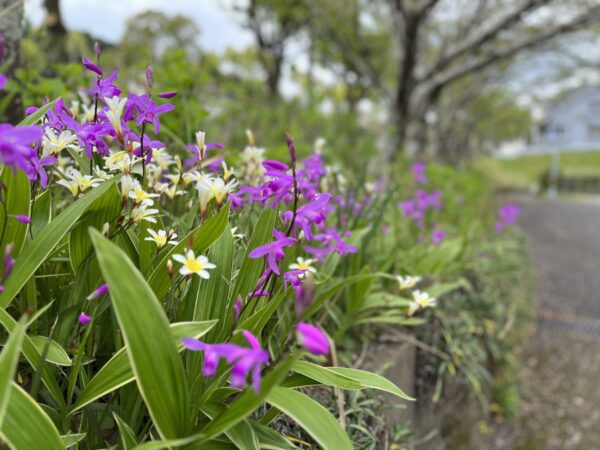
{"x":23,"y":219}
{"x":84,"y":319}
{"x":312,"y":339}
{"x":91,"y":66}
{"x":193,"y":344}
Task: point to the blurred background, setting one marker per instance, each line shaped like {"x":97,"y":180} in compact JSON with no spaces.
{"x":507,"y":88}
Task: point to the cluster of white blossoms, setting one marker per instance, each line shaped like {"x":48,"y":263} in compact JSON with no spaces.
{"x":252,"y":159}
{"x":77,"y":183}
{"x":421,"y":300}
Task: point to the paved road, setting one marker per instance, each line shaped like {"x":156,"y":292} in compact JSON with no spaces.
{"x":561,"y":375}
{"x":565,"y":244}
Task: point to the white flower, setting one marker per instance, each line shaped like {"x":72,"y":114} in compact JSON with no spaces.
{"x":200,"y":141}
{"x":220,"y":190}
{"x":190,"y":177}
{"x":143,"y":213}
{"x":120,"y":161}
{"x":227,"y":171}
{"x":303,"y":264}
{"x":407,"y":282}
{"x":162,"y":158}
{"x":194,"y":265}
{"x":128,"y":184}
{"x":205,"y":194}
{"x":116,"y":106}
{"x":140,"y":196}
{"x":77,"y":182}
{"x":319,"y":144}
{"x":161,"y":238}
{"x":53,"y":144}
{"x":237,"y":235}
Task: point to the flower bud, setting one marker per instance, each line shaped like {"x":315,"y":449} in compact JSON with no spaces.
{"x":84,"y":319}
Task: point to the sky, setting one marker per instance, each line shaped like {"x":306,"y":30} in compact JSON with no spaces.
{"x":219,"y":24}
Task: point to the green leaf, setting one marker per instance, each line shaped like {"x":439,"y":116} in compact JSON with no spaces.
{"x":440,"y":289}
{"x":117,"y":371}
{"x":246,"y":403}
{"x":251,"y":268}
{"x":37,"y":250}
{"x":242,"y":434}
{"x":105,"y":209}
{"x":201,"y":238}
{"x":41,"y":213}
{"x":394,"y":320}
{"x":34,"y":358}
{"x":148,"y":340}
{"x":312,"y":417}
{"x":18,"y":199}
{"x":8,"y":365}
{"x":269,"y":438}
{"x":26,"y":425}
{"x":69,"y":440}
{"x":325,"y":376}
{"x":371,"y":380}
{"x":127,"y":437}
{"x":39,"y":113}
{"x":56,"y":354}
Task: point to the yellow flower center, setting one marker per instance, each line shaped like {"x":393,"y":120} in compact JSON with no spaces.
{"x":194,"y":265}
{"x":303,"y":266}
{"x":160,"y":240}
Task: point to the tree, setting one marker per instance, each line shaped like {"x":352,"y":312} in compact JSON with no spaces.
{"x":436,"y":43}
{"x":11,"y":26}
{"x":274,"y":23}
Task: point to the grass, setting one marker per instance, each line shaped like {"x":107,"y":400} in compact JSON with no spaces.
{"x":524,"y":172}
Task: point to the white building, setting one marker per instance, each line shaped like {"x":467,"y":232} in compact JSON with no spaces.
{"x":571,"y":123}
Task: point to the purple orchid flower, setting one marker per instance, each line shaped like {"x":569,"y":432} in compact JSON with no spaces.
{"x":273,"y":251}
{"x":418,"y":172}
{"x":84,"y":319}
{"x":99,"y":292}
{"x":146,"y":110}
{"x":507,"y":216}
{"x":3,"y":81}
{"x":312,"y":212}
{"x":312,"y":339}
{"x":89,"y":65}
{"x":437,"y":236}
{"x":16,"y":151}
{"x":244,"y":360}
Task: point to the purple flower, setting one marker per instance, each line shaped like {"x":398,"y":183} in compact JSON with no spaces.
{"x":293,"y":277}
{"x":150,"y":75}
{"x":437,"y":236}
{"x":84,"y":319}
{"x":418,"y":172}
{"x":312,"y":212}
{"x":105,"y":87}
{"x":312,"y":339}
{"x":291,"y":147}
{"x":507,"y":216}
{"x":146,"y":110}
{"x":23,"y":219}
{"x":89,"y":65}
{"x":305,"y":295}
{"x":237,"y":308}
{"x":244,"y":360}
{"x":279,"y":185}
{"x":3,"y":81}
{"x":168,"y":94}
{"x":273,"y":251}
{"x":9,"y":261}
{"x":16,"y":149}
{"x":99,"y":292}
{"x":149,"y":146}
{"x":91,"y":136}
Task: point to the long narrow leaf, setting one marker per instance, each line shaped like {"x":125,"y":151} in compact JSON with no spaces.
{"x":148,"y":341}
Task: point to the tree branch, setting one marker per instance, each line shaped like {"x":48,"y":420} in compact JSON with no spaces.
{"x":484,"y":37}
{"x":442,"y":79}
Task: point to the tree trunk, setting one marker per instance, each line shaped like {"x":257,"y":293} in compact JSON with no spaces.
{"x":11,"y":26}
